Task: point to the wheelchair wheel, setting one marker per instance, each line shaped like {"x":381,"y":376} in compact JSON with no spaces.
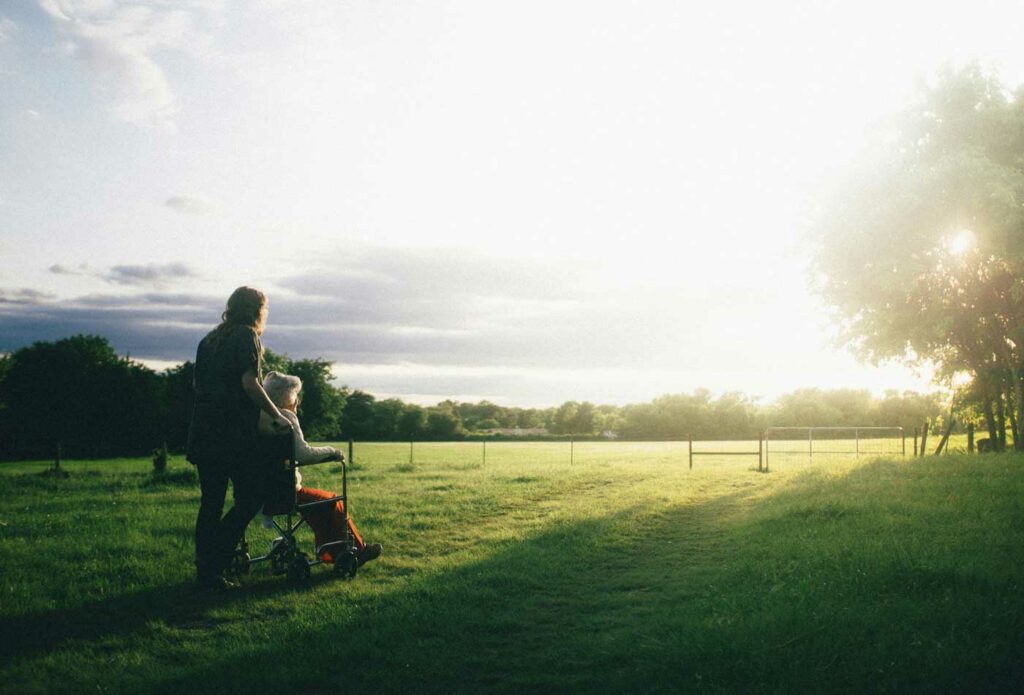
{"x":298,"y":569}
{"x":239,"y":564}
{"x":346,"y":564}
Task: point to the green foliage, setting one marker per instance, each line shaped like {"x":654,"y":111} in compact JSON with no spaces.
{"x":77,"y":392}
{"x":887,"y":251}
{"x":443,"y":423}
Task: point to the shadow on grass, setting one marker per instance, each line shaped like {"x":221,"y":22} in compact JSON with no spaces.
{"x":802,"y":592}
{"x":181,"y":605}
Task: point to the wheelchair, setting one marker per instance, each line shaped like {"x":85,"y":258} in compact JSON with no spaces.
{"x":276,"y":458}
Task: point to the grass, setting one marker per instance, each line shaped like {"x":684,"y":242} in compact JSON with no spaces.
{"x":624,"y":571}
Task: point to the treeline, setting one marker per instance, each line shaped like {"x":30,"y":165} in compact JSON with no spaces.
{"x":78,"y":392}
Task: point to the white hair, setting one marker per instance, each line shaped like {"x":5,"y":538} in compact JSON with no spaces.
{"x":281,"y":387}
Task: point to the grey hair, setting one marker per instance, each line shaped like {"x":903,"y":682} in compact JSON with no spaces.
{"x":280,"y":387}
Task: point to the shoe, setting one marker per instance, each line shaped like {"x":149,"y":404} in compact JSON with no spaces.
{"x":215,"y":582}
{"x":369,"y":552}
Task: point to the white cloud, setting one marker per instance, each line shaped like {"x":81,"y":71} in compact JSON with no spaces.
{"x":118,"y":42}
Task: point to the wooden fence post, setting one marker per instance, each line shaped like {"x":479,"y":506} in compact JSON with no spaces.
{"x":915,"y":442}
{"x":970,"y":438}
{"x":350,"y":455}
{"x":924,"y":439}
{"x":945,"y":437}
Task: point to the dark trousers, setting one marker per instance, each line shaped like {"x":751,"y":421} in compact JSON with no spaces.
{"x":216,"y":536}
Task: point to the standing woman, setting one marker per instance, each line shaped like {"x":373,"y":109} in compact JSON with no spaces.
{"x":229,"y":396}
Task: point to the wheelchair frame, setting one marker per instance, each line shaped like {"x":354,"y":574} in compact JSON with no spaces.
{"x":284,"y":556}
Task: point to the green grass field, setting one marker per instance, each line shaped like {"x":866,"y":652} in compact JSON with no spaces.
{"x":623,"y":571}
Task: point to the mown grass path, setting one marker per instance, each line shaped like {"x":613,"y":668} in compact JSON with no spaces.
{"x":618,"y":574}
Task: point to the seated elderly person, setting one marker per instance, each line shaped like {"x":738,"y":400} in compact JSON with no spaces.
{"x":328,"y":521}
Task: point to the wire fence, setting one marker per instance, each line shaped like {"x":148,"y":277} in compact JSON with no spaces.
{"x":774,"y":447}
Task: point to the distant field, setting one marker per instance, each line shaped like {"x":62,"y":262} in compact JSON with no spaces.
{"x":656,"y":453}
{"x":622,"y":571}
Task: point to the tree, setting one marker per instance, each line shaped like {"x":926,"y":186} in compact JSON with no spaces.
{"x":77,"y":392}
{"x":177,"y":406}
{"x":387,"y":420}
{"x":920,"y":253}
{"x":443,"y":423}
{"x":413,"y":420}
{"x":357,"y":418}
{"x":320,"y":411}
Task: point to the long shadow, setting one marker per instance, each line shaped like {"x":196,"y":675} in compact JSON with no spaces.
{"x":183,"y":604}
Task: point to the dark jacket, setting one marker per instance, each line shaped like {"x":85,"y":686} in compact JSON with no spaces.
{"x":224,"y":419}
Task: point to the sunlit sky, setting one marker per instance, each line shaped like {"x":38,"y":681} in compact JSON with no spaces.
{"x":527,"y":202}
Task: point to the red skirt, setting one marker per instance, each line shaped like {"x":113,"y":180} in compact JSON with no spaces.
{"x":328,"y":521}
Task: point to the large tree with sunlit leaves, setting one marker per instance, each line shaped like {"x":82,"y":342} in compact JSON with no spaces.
{"x":920,"y":252}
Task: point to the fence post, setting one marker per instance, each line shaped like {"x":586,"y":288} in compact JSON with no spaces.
{"x":915,"y":442}
{"x":924,"y":439}
{"x":945,"y":436}
{"x":970,"y":437}
{"x":903,"y":447}
{"x":350,"y":452}
{"x":689,"y":439}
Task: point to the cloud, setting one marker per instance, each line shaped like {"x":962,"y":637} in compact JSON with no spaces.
{"x":190,"y":205}
{"x":156,"y":326}
{"x":447,"y":321}
{"x":80,"y":269}
{"x":118,"y":43}
{"x":152,"y":274}
{"x":24,"y":296}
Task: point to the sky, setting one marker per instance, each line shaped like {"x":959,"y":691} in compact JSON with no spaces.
{"x":525,"y":202}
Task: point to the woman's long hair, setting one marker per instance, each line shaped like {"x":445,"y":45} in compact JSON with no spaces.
{"x":246,"y":306}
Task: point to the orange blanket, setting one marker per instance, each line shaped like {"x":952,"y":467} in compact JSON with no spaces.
{"x":328,"y":521}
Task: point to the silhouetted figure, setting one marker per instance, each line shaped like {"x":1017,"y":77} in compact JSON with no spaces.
{"x":222,"y":435}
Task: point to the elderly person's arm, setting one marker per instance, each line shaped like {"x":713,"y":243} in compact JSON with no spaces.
{"x":304,"y":453}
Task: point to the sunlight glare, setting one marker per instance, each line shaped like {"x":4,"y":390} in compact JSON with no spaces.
{"x":961,"y":242}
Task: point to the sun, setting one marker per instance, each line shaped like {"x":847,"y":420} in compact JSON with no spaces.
{"x":961,"y":242}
